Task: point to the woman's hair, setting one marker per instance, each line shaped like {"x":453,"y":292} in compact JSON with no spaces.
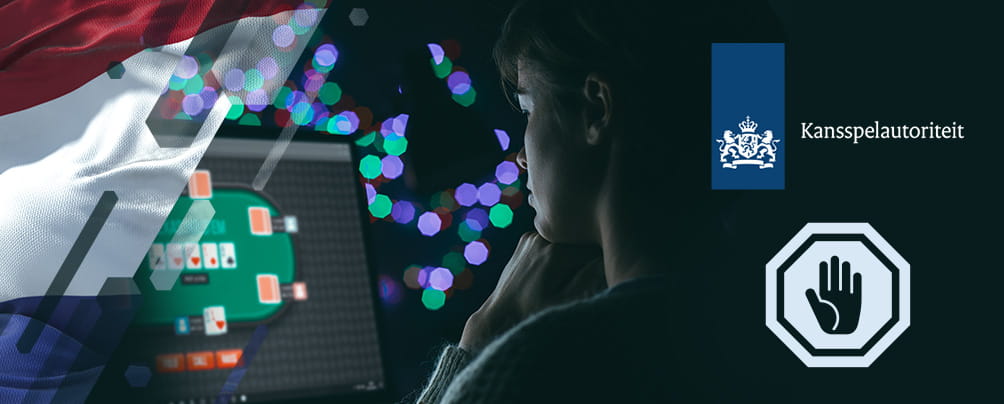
{"x":657,"y":56}
{"x":641,"y":45}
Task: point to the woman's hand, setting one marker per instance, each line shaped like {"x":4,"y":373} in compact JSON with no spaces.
{"x":539,"y":275}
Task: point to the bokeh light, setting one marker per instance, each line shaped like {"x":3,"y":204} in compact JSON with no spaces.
{"x":429,"y":224}
{"x":454,"y":261}
{"x":268,"y":67}
{"x":305,"y":15}
{"x":370,"y":193}
{"x":390,"y":290}
{"x":192,"y":104}
{"x":283,"y":36}
{"x":507,"y":172}
{"x":257,"y":100}
{"x":253,"y":80}
{"x":437,"y":53}
{"x":489,"y":194}
{"x":392,"y":166}
{"x":330,"y":93}
{"x":381,"y":206}
{"x":476,"y":252}
{"x":187,"y":68}
{"x":466,"y":194}
{"x":463,"y":280}
{"x":500,"y":215}
{"x":459,"y":82}
{"x":233,"y":80}
{"x":403,"y":212}
{"x":477,"y":219}
{"x":395,"y":144}
{"x":433,"y":299}
{"x":411,"y":277}
{"x":370,"y":166}
{"x":440,"y":279}
{"x":503,"y":138}
{"x":466,"y":231}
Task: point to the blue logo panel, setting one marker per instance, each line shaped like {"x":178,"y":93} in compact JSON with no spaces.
{"x":747,"y":116}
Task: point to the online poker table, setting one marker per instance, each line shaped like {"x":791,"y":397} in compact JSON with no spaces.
{"x":238,"y":263}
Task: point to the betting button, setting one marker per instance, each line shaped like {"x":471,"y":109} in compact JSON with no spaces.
{"x":200,"y":360}
{"x":169,"y":363}
{"x":228,"y":358}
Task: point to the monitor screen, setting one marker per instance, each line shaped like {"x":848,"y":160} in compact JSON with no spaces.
{"x":272,"y":298}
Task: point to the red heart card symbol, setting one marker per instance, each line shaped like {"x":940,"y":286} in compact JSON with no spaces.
{"x":177,"y":261}
{"x":195,"y":260}
{"x":221,"y":324}
{"x":212,"y":261}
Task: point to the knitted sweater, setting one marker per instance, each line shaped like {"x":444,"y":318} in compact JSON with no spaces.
{"x":628,"y":344}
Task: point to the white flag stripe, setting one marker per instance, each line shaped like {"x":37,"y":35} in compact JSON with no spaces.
{"x":58,"y":157}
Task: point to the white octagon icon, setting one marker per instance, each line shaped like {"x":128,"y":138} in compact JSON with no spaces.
{"x":806,"y":294}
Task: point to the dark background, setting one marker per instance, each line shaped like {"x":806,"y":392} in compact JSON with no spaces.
{"x":849,"y":63}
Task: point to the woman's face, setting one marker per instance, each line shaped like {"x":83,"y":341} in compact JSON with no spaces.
{"x":564,"y":175}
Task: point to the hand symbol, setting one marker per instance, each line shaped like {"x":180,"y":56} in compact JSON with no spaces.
{"x":838,"y":305}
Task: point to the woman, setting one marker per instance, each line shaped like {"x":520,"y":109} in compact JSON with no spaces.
{"x":593,"y":306}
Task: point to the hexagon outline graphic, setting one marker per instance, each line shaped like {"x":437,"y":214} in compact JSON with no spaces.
{"x":877,"y":343}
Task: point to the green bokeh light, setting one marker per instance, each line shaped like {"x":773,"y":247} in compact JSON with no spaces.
{"x":194,"y":85}
{"x":395,"y":145}
{"x":370,"y":166}
{"x":280,"y":99}
{"x":466,"y":233}
{"x":366,"y":140}
{"x":330,"y":93}
{"x":253,"y":80}
{"x":466,"y":99}
{"x":176,"y":83}
{"x":236,"y":107}
{"x":250,"y":119}
{"x":500,"y":215}
{"x":443,"y":69}
{"x":302,"y":113}
{"x":455,"y":262}
{"x":433,"y":299}
{"x":381,"y":206}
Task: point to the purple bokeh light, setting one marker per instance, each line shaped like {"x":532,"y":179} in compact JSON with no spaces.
{"x":459,"y":82}
{"x":429,"y":224}
{"x":209,"y":96}
{"x":256,"y":100}
{"x":440,"y":279}
{"x":326,"y":55}
{"x":437,"y":52}
{"x":476,"y":253}
{"x":187,"y":68}
{"x":392,"y":166}
{"x":403,"y":212}
{"x":423,"y":276}
{"x":371,"y":193}
{"x":507,"y":172}
{"x":489,"y":194}
{"x":305,"y":15}
{"x":192,"y":104}
{"x":503,"y":138}
{"x":268,"y":67}
{"x":234,"y":80}
{"x":466,"y":194}
{"x":477,"y":219}
{"x":283,"y":36}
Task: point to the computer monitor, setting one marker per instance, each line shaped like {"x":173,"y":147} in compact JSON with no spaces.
{"x":280,"y":275}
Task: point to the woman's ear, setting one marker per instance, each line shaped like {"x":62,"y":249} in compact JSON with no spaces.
{"x":598,"y":107}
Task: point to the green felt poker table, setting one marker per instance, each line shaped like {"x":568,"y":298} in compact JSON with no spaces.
{"x":220,"y":269}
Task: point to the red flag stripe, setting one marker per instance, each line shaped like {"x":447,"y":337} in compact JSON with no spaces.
{"x":48,"y":48}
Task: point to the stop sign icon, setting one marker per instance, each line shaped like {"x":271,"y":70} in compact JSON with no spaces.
{"x":837,"y":294}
